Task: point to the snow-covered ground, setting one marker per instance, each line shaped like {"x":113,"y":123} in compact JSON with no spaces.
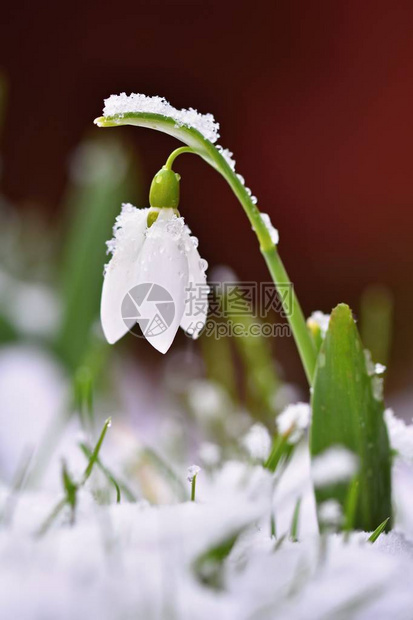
{"x":227,"y":555}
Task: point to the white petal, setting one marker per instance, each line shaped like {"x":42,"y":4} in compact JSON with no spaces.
{"x":196,"y":306}
{"x":163,"y":266}
{"x":121,"y":272}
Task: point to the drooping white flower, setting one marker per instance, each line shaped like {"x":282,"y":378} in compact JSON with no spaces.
{"x":156,"y":278}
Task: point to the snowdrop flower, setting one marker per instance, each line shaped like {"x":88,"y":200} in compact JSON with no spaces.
{"x":156,"y":277}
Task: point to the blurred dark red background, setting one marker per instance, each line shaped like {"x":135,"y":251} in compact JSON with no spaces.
{"x":314,"y":98}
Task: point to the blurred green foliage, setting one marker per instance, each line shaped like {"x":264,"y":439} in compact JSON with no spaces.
{"x":104,"y":175}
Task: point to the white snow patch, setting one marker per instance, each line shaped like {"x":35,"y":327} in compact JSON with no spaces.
{"x":294,"y":420}
{"x":124,"y":230}
{"x":275,"y":237}
{"x":209,"y":453}
{"x":257,"y":442}
{"x":379,"y":369}
{"x":400,"y":435}
{"x":228,"y":156}
{"x":337,"y":464}
{"x":193,"y":471}
{"x":119,"y":105}
{"x":330,"y":513}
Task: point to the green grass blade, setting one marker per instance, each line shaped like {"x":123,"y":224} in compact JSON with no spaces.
{"x":95,"y":454}
{"x":208,"y":566}
{"x":88,"y":453}
{"x":379,"y":530}
{"x":280,"y":452}
{"x":348,"y":410}
{"x":295,"y":522}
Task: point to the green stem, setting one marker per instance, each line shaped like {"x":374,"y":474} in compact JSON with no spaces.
{"x":292,"y":308}
{"x":193,"y":487}
{"x":293,"y":312}
{"x":174,"y":155}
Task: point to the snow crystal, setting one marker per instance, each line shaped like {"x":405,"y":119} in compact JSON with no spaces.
{"x":124,"y":230}
{"x":321,"y":320}
{"x":293,"y":421}
{"x":371,"y":369}
{"x":228,"y":156}
{"x":193,"y":471}
{"x":377,"y":386}
{"x":257,"y":442}
{"x":135,"y":102}
{"x":275,"y":237}
{"x":337,"y":464}
{"x":400,"y":435}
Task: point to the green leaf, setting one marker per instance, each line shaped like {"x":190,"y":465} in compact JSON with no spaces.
{"x":281,"y":451}
{"x":379,"y":530}
{"x":70,"y":487}
{"x":348,"y":410}
{"x":95,"y":454}
{"x":208,"y":566}
{"x":118,"y":486}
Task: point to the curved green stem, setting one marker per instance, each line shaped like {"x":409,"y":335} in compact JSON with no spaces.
{"x":174,"y":155}
{"x":215,"y":157}
{"x":292,"y":308}
{"x":293,"y":312}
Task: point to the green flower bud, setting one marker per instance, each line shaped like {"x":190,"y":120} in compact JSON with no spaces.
{"x":164,"y":192}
